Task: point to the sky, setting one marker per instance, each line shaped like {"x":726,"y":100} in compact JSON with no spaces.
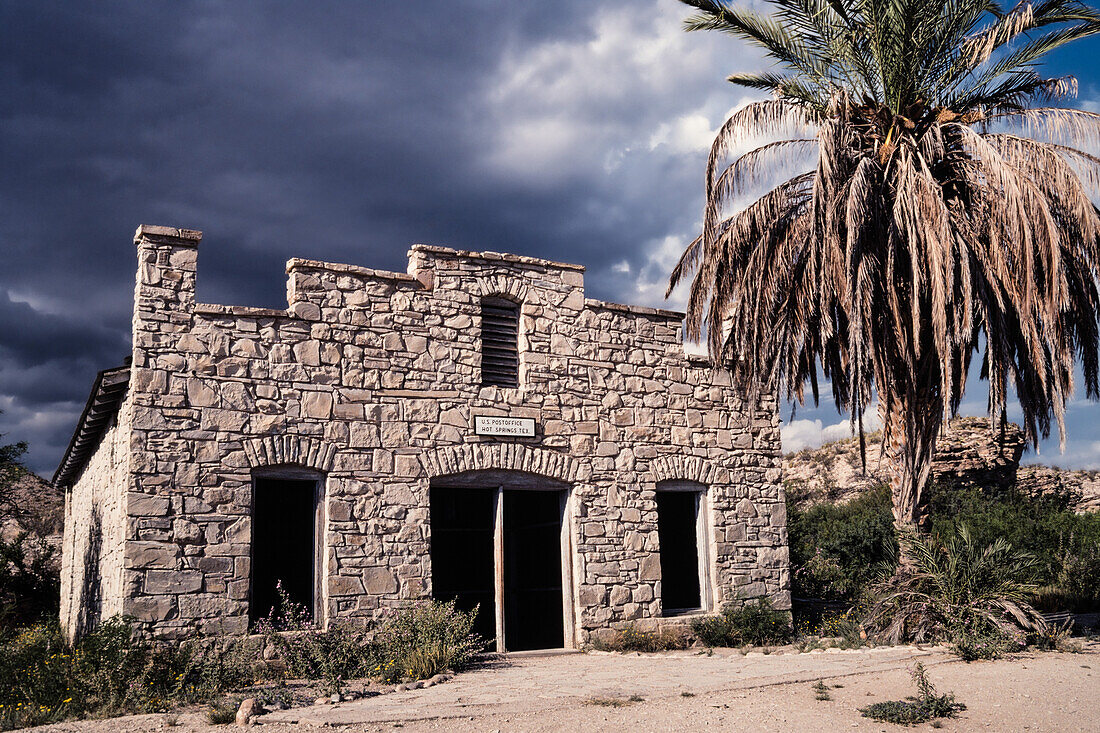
{"x":575,"y":130}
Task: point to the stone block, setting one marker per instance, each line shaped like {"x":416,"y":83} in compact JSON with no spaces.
{"x":650,"y":568}
{"x":379,"y":581}
{"x":343,"y":585}
{"x":317,"y":404}
{"x":144,"y":505}
{"x":173,"y":582}
{"x":153,"y":608}
{"x":151,"y":555}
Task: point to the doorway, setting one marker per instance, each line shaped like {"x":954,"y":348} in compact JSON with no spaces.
{"x":286,"y":529}
{"x":499,"y":542}
{"x":462,"y":552}
{"x":532,"y":570}
{"x":682,"y":536}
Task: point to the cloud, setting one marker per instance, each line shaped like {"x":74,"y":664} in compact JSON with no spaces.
{"x":574,"y":130}
{"x":799,"y":434}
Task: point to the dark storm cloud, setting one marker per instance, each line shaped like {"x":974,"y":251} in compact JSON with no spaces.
{"x":30,"y":338}
{"x":342,"y":131}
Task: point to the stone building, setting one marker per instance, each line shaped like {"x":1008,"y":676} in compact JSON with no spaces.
{"x":475,"y":429}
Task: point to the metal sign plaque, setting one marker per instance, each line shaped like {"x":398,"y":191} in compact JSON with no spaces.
{"x":516,"y":427}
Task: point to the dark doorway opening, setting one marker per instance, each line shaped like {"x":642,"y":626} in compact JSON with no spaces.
{"x":677,"y":523}
{"x":498,"y":543}
{"x":284,"y":544}
{"x":462,"y":552}
{"x":532,"y":570}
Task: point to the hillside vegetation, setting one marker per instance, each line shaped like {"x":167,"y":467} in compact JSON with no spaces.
{"x":969,"y":454}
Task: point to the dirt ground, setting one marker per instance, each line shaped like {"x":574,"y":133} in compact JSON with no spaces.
{"x":688,"y":690}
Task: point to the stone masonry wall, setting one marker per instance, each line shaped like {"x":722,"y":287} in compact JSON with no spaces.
{"x":372,"y":380}
{"x":95,"y":523}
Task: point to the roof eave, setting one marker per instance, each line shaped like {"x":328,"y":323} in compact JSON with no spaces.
{"x":107,"y":393}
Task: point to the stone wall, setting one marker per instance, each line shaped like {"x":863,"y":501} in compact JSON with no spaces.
{"x":95,"y":524}
{"x":372,"y":379}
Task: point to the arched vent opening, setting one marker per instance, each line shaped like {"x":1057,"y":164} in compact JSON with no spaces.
{"x":499,"y":342}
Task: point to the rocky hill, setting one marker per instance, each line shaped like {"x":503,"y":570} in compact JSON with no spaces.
{"x":34,"y":506}
{"x":968,"y":454}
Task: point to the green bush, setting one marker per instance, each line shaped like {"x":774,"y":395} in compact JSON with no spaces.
{"x":633,"y":639}
{"x":927,"y":705}
{"x":755,"y":623}
{"x":425,"y":639}
{"x":221,"y":713}
{"x":332,"y":656}
{"x":839,"y":550}
{"x":984,"y":641}
{"x":958,"y":590}
{"x":846,"y":626}
{"x":29,"y":582}
{"x":1065,"y":545}
{"x":415,"y":642}
{"x":109,"y":672}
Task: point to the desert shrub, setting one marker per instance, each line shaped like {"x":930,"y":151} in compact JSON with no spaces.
{"x":633,"y":639}
{"x":110,"y":671}
{"x":278,"y":697}
{"x":210,"y":667}
{"x":222,"y":712}
{"x":1058,"y":638}
{"x":29,"y":582}
{"x":332,"y":656}
{"x":1075,"y":576}
{"x":423,"y":640}
{"x":958,"y":591}
{"x":925,"y":706}
{"x":984,"y":641}
{"x":838,"y":550}
{"x":846,"y":626}
{"x":1065,"y":545}
{"x":755,"y":622}
{"x":415,"y":642}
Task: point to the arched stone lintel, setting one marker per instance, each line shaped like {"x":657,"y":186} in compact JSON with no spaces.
{"x":501,"y":456}
{"x":688,"y":468}
{"x":277,"y":450}
{"x":506,"y":287}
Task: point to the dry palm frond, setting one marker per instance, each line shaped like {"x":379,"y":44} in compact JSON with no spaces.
{"x":945,"y":212}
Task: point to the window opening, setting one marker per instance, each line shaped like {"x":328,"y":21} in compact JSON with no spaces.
{"x":499,"y":342}
{"x":285,"y":552}
{"x":679,"y":518}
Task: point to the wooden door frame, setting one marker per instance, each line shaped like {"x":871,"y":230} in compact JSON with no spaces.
{"x":320,"y":535}
{"x":498,"y":482}
{"x":566,"y":546}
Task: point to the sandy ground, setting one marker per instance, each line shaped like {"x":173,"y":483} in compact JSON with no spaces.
{"x":684,"y":690}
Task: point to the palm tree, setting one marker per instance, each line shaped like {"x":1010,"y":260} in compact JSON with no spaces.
{"x":940,"y":209}
{"x":958,"y":589}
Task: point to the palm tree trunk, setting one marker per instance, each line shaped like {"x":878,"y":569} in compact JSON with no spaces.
{"x":911,"y":423}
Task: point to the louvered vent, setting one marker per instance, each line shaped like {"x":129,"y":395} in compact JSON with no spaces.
{"x":499,"y":343}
